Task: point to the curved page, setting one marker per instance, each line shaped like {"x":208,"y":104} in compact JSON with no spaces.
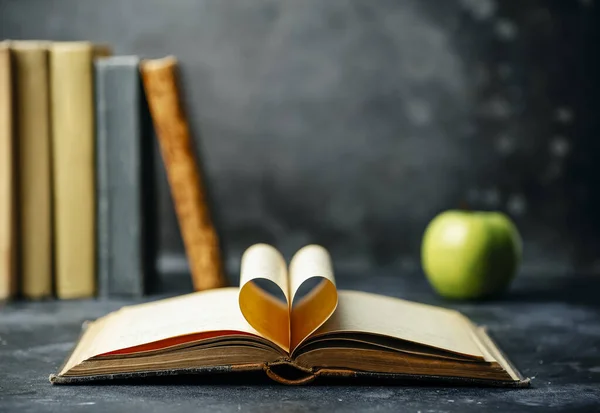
{"x":437,"y":327}
{"x":163,"y":323}
{"x":314,"y":309}
{"x":263,"y":311}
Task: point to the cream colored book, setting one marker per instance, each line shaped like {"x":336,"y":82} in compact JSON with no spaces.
{"x":34,"y":189}
{"x":72,"y":108}
{"x":8,"y":243}
{"x":294,"y":337}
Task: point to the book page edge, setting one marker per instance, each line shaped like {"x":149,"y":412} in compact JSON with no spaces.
{"x":492,"y":347}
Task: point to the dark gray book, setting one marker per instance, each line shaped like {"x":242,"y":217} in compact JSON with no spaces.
{"x":121,"y":126}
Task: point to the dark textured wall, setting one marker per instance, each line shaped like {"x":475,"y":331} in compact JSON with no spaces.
{"x":351,"y":123}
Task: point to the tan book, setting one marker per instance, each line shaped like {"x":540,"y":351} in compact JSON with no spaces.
{"x":33,"y":134}
{"x":187,"y":189}
{"x":8,"y":244}
{"x":294,"y":336}
{"x":72,"y":109}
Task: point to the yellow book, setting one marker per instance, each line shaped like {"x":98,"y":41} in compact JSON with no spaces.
{"x":72,"y":109}
{"x":33,"y":132}
{"x":7,"y":178}
{"x":300,"y":329}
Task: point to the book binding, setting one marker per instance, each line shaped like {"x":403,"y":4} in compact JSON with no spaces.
{"x":120,"y":132}
{"x":272,"y":372}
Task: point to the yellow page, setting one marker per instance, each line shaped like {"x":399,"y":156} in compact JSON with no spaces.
{"x":310,"y":312}
{"x":278,"y":321}
{"x":205,"y":311}
{"x":262,"y":310}
{"x":420,"y":323}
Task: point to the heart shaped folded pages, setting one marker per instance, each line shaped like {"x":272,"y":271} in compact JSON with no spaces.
{"x":287,"y":323}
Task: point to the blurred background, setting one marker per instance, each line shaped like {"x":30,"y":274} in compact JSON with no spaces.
{"x":352,"y":123}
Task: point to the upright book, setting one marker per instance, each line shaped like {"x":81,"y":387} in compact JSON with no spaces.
{"x":8,"y":243}
{"x":72,"y":108}
{"x":187,"y":188}
{"x":294,"y":340}
{"x":121,"y":131}
{"x":34,"y":189}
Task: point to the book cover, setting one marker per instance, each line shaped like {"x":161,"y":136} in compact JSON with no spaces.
{"x":200,"y":238}
{"x":121,"y":131}
{"x":72,"y":100}
{"x":7,"y":177}
{"x":34,"y":170}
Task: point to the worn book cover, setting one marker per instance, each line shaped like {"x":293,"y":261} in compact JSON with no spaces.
{"x":34,"y":160}
{"x":200,"y":238}
{"x":293,"y":324}
{"x":8,"y":243}
{"x":73,"y":134}
{"x":121,"y":131}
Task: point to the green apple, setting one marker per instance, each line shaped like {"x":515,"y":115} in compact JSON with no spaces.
{"x":470,"y":254}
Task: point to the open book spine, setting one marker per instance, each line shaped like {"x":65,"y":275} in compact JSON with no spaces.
{"x":187,"y":189}
{"x":7,"y":178}
{"x":33,"y":134}
{"x":120,"y":131}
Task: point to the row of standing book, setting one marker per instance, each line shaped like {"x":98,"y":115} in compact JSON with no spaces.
{"x":71,"y":142}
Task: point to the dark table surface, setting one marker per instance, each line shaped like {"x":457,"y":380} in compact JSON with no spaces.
{"x":548,"y":326}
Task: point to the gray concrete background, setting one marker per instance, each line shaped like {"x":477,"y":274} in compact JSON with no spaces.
{"x":352,"y":123}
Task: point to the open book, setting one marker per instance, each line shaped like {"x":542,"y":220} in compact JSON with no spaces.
{"x":294,"y":338}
